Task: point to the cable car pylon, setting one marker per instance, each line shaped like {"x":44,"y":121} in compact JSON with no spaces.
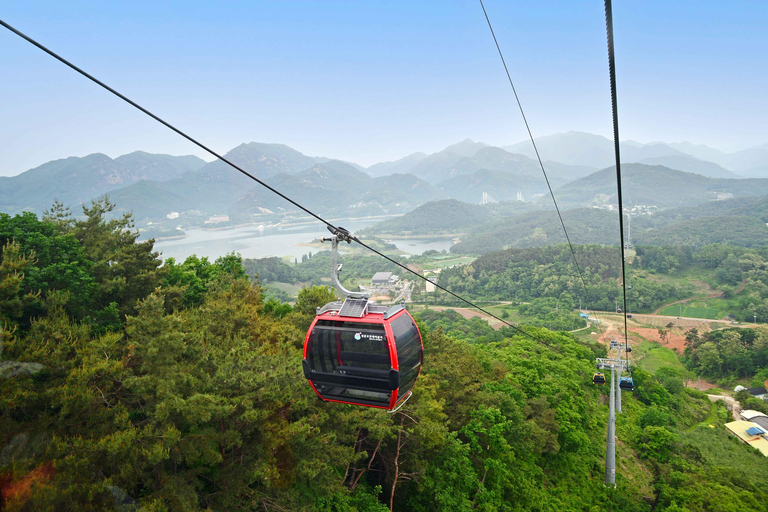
{"x":623,"y":346}
{"x":610,"y":443}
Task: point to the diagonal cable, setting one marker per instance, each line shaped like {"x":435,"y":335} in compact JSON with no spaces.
{"x":331,"y":227}
{"x":536,"y":150}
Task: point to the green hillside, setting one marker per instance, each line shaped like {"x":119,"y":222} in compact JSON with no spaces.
{"x":134,"y":386}
{"x":585,"y":226}
{"x":448,"y":216}
{"x":655,"y":185}
{"x":756,"y":207}
{"x":740,"y":231}
{"x":435,"y":217}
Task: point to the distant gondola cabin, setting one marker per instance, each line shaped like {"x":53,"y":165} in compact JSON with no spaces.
{"x":627,"y":384}
{"x":598,"y":378}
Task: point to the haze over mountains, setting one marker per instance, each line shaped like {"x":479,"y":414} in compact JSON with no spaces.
{"x":154,"y":186}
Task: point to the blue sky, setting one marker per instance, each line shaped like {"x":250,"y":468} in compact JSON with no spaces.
{"x":372,"y":81}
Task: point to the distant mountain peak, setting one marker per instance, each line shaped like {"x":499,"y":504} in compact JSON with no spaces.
{"x":467,"y":148}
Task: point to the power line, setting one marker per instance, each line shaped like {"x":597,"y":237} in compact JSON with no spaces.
{"x":536,"y":150}
{"x":615,"y":115}
{"x":333,"y":228}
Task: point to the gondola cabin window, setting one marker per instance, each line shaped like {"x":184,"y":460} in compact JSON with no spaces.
{"x":409,"y":352}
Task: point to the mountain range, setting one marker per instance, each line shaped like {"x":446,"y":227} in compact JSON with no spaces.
{"x":76,"y":180}
{"x":153,"y":186}
{"x":578,"y":148}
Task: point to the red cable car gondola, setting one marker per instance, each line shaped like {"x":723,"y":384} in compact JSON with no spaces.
{"x":361,"y":353}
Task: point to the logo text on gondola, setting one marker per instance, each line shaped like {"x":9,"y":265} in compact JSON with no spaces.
{"x":373,"y":337}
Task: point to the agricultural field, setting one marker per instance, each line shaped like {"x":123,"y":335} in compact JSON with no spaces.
{"x":450,"y":261}
{"x":696,"y":311}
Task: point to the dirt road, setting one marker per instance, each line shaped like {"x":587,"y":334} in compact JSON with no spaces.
{"x":732,"y":404}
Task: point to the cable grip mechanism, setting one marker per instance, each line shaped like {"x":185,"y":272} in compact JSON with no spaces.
{"x":344,"y":235}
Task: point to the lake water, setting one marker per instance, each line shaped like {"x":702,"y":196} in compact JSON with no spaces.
{"x":252,"y":242}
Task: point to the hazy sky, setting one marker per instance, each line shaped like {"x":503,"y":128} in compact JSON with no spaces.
{"x":371,"y":81}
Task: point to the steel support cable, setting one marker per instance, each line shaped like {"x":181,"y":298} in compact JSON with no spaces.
{"x":615,"y":115}
{"x":254,"y":178}
{"x":158,"y":119}
{"x":536,"y":150}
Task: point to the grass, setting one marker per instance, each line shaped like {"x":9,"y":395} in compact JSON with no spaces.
{"x":290,"y":289}
{"x":586,"y":335}
{"x":721,"y":449}
{"x":651,"y":356}
{"x":706,"y":312}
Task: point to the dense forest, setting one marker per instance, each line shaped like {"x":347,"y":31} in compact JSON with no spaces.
{"x":729,"y":352}
{"x":549,"y":272}
{"x":740,"y":273}
{"x":131,"y":385}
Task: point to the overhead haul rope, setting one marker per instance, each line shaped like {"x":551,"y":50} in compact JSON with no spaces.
{"x":538,"y":157}
{"x":615,"y":111}
{"x":331,"y":227}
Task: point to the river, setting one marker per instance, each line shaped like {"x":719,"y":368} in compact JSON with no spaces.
{"x":252,"y":242}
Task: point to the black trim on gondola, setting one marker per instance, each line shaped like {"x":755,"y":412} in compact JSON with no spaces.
{"x":389,"y":382}
{"x":346,"y":399}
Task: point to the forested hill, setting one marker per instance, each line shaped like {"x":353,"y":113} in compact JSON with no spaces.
{"x":756,"y":207}
{"x":539,"y":273}
{"x":743,"y":231}
{"x":655,"y":185}
{"x":448,"y":216}
{"x":585,"y":226}
{"x":435,"y":217}
{"x":125,"y":384}
{"x":680,"y":226}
